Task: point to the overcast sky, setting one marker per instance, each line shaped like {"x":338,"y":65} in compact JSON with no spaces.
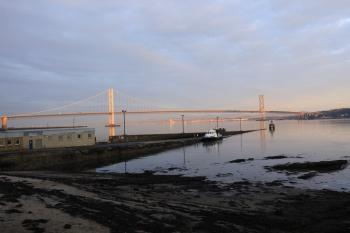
{"x":190,"y":53}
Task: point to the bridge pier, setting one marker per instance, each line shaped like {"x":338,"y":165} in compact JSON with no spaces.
{"x":262,"y":111}
{"x":4,"y":122}
{"x":111,"y":120}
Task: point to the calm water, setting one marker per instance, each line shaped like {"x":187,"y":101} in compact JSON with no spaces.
{"x":311,"y":140}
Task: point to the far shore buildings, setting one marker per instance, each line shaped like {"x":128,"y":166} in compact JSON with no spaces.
{"x":41,"y":138}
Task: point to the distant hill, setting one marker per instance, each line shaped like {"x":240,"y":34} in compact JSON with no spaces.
{"x":334,"y":113}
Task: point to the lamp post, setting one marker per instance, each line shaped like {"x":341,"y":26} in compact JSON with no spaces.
{"x":240,"y":124}
{"x":124,"y":131}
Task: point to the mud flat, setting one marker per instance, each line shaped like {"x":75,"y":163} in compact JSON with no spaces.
{"x":310,"y":169}
{"x":89,"y":202}
{"x":321,"y":166}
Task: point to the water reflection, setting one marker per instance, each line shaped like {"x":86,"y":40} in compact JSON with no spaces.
{"x":241,"y":144}
{"x":299,"y":141}
{"x":212,"y":146}
{"x":184,"y":156}
{"x":262,"y":135}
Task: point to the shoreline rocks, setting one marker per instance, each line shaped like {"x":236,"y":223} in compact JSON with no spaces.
{"x":321,"y":166}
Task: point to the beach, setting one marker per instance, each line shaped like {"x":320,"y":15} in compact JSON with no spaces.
{"x":89,"y":202}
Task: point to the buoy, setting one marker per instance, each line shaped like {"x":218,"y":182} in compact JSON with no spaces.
{"x":272,"y":126}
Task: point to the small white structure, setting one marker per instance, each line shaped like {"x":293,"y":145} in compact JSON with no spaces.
{"x":28,"y":139}
{"x":212,"y":135}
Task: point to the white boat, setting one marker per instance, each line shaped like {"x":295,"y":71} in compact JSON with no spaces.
{"x":211,"y":135}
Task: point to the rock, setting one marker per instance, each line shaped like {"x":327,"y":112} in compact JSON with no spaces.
{"x":67,"y":226}
{"x":164,"y":217}
{"x":276,"y":157}
{"x":176,"y":168}
{"x":33,"y":225}
{"x":275,"y":183}
{"x":148,"y":172}
{"x":13,"y":211}
{"x":307,"y":175}
{"x":322,"y":166}
{"x":224,"y":174}
{"x":238,"y":161}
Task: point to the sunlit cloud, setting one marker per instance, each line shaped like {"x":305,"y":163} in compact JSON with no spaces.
{"x":176,"y":52}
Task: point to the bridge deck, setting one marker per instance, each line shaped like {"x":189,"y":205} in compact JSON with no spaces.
{"x":147,"y":112}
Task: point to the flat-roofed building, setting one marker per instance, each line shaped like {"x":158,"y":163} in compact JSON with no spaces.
{"x":29,"y":139}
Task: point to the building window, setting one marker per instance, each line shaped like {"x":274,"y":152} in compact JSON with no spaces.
{"x":89,"y":135}
{"x":69,"y":137}
{"x":17,"y":142}
{"x":79,"y":136}
{"x":60,"y":138}
{"x":9,"y":142}
{"x":2,"y":142}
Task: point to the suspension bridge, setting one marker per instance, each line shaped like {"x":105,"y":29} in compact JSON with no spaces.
{"x":109,"y":108}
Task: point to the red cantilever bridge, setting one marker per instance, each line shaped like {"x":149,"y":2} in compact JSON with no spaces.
{"x":111,"y":112}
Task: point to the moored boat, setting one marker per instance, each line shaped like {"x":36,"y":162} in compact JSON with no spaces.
{"x":211,"y":135}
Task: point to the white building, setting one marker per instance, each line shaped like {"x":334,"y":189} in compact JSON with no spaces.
{"x":28,"y":139}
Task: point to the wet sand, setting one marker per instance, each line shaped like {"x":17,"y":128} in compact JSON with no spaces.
{"x":90,"y":202}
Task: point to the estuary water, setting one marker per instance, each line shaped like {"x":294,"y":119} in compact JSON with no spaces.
{"x":299,"y":140}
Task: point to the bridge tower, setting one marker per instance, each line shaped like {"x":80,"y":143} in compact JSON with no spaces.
{"x":262,"y":104}
{"x":4,"y":122}
{"x":111,"y":119}
{"x":262,"y":111}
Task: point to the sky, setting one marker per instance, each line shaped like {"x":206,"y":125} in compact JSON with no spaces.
{"x":183,"y":53}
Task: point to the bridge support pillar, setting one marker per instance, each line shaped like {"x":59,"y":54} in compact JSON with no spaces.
{"x":262,"y":111}
{"x":4,"y":122}
{"x":111,"y":119}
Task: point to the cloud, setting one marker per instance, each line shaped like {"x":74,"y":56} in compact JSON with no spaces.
{"x":175,"y":52}
{"x":343,"y":22}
